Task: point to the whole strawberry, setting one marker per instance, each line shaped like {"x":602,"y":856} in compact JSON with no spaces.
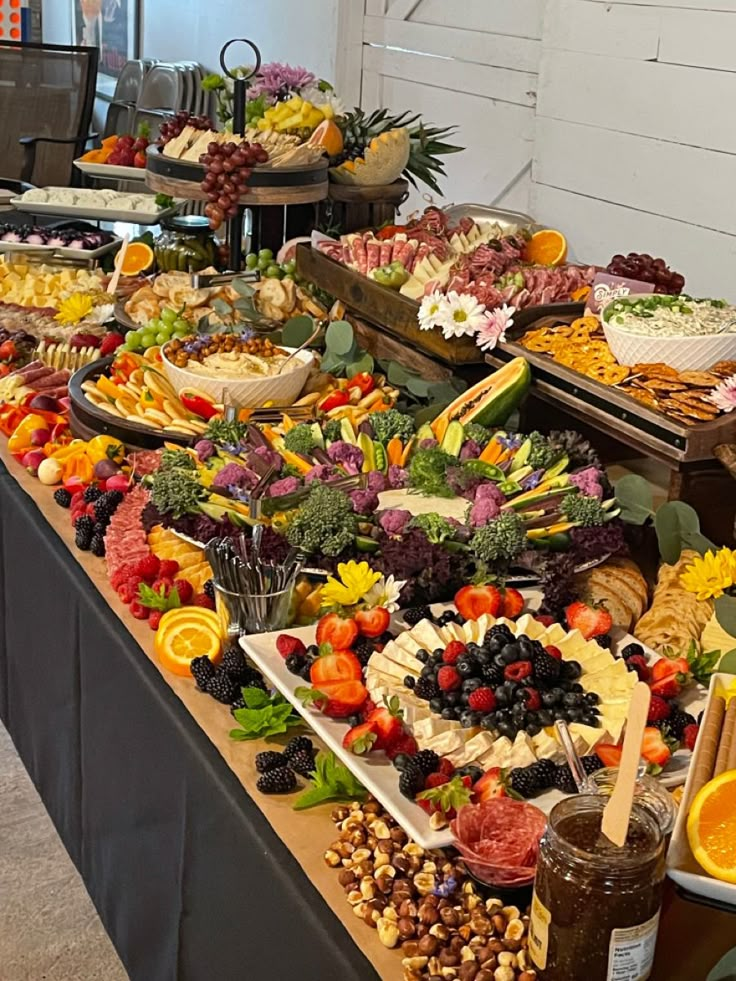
{"x":286,"y":645}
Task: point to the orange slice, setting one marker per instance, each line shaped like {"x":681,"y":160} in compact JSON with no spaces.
{"x":184,"y":634}
{"x":546,"y":248}
{"x":138,"y":258}
{"x":711,"y":827}
{"x":329,"y":136}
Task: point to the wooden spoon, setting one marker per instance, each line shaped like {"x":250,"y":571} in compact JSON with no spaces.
{"x":120,"y":259}
{"x":616,"y":814}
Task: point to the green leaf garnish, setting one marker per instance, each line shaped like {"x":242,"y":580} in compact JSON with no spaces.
{"x":330,"y":781}
{"x":264,"y":715}
{"x":157,"y":599}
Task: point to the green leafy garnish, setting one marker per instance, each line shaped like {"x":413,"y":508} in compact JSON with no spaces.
{"x":264,"y":715}
{"x":450,"y":796}
{"x":164,"y":201}
{"x":702,"y":665}
{"x":330,"y":781}
{"x":158,"y":599}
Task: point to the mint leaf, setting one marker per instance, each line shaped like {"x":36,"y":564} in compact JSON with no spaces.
{"x":330,"y":781}
{"x":265,"y":715}
{"x":255,"y":698}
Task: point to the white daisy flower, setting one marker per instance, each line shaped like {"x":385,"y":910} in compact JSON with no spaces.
{"x":432,"y":310}
{"x":386,"y":593}
{"x":465,"y":315}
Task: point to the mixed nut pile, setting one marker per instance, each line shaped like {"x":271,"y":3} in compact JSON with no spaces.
{"x":181,"y":351}
{"x":423,"y":902}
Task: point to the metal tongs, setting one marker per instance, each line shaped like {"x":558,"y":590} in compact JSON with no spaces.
{"x":202,"y":281}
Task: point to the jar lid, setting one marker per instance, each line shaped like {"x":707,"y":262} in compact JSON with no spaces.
{"x":191,"y":224}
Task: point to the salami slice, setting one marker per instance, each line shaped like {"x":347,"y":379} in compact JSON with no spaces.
{"x":38,"y":374}
{"x":373,"y":254}
{"x":54,"y":380}
{"x":499,"y":839}
{"x":28,"y":369}
{"x":386,"y":251}
{"x":360,"y":256}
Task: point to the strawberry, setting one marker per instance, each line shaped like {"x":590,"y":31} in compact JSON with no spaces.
{"x":203,"y":600}
{"x":448,"y":678}
{"x":490,"y":785}
{"x":168,"y":568}
{"x":338,"y":631}
{"x":608,"y":754}
{"x":435,"y":780}
{"x":453,"y":651}
{"x":154,"y":619}
{"x":591,"y":621}
{"x":668,"y":676}
{"x":654,"y":749}
{"x":666,"y":688}
{"x":545,"y":620}
{"x":110,"y":342}
{"x":148,"y":568}
{"x":532,"y":699}
{"x":139,"y":611}
{"x":447,"y":767}
{"x":334,"y":668}
{"x":286,"y":644}
{"x":373,"y":623}
{"x":360,"y":739}
{"x":513,"y":604}
{"x":406,"y":743}
{"x":658,"y":709}
{"x":473,"y":601}
{"x":639,"y":664}
{"x":554,"y":652}
{"x":338,"y":700}
{"x":367,"y":707}
{"x":689,"y":735}
{"x":517,"y":671}
{"x":448,"y":797}
{"x":482,"y":700}
{"x":185,"y":590}
{"x":388,"y":723}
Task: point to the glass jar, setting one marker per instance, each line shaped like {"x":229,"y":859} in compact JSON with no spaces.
{"x":186,"y":244}
{"x":649,"y":793}
{"x":595,"y":909}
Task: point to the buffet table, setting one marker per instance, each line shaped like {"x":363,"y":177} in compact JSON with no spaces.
{"x":193,"y":877}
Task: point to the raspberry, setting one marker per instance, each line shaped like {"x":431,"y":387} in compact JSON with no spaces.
{"x":435,"y":780}
{"x":532,"y":699}
{"x":185,"y":590}
{"x":154,"y":619}
{"x":448,"y":678}
{"x":554,"y":652}
{"x":658,"y":709}
{"x":148,"y":568}
{"x":638,"y":663}
{"x":203,"y":600}
{"x":129,"y":589}
{"x":122,"y":575}
{"x":690,"y":735}
{"x":545,"y":620}
{"x":453,"y":651}
{"x":482,"y":700}
{"x":446,"y":766}
{"x":168,"y":568}
{"x":286,"y":645}
{"x":406,"y":743}
{"x":161,"y":581}
{"x":139,"y":611}
{"x":517,"y":671}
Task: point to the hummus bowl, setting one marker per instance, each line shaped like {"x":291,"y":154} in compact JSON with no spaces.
{"x":244,"y":390}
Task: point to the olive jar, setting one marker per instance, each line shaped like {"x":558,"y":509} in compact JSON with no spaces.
{"x":186,"y":244}
{"x":595,"y":909}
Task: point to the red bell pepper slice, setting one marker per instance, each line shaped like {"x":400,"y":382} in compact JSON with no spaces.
{"x":365,"y":381}
{"x":198,"y":405}
{"x":334,"y":400}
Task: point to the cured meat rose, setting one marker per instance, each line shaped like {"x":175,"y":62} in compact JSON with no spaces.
{"x":499,"y":840}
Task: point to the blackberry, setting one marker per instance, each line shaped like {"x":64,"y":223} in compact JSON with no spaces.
{"x":239,"y":703}
{"x":252,"y":678}
{"x":415,"y":614}
{"x":605,"y":641}
{"x":222,"y":687}
{"x":363,"y":650}
{"x":678,"y":722}
{"x":233,"y":662}
{"x":91,"y":494}
{"x":209,"y":589}
{"x":84,"y":524}
{"x":279,"y":781}
{"x":591,"y":764}
{"x":427,"y":689}
{"x":268,"y":760}
{"x":546,"y":668}
{"x":99,"y":529}
{"x":104,"y":509}
{"x":411,"y":781}
{"x":563,"y":779}
{"x":500,"y":630}
{"x":302,"y":763}
{"x":294,"y":663}
{"x":492,"y":675}
{"x":298,"y":744}
{"x":427,"y":761}
{"x":523,"y":782}
{"x":97,"y":546}
{"x":83,"y":536}
{"x":543,"y":771}
{"x":631,"y":650}
{"x":202,"y":670}
{"x":62,"y":497}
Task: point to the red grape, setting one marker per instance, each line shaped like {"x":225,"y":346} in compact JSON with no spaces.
{"x":228,"y":167}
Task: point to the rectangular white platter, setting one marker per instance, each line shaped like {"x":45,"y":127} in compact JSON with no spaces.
{"x":681,"y":866}
{"x":111,"y":171}
{"x":376,"y":772}
{"x":49,"y":251}
{"x":98,"y":214}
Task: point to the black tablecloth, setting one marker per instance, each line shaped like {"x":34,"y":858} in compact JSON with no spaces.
{"x":188,"y":877}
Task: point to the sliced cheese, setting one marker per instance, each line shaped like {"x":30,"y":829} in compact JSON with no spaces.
{"x":546,"y":746}
{"x":407,"y":661}
{"x":526,"y":624}
{"x":568,"y":645}
{"x":379,"y":662}
{"x":426,"y":635}
{"x":426,"y":729}
{"x":586,"y":738}
{"x":407,"y":643}
{"x":553,"y":635}
{"x":596,"y":664}
{"x":522,"y":751}
{"x":473,"y":750}
{"x":446,"y":742}
{"x":499,"y":754}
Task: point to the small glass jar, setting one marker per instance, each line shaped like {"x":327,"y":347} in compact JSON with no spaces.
{"x":186,"y":244}
{"x":595,"y":909}
{"x":649,"y":793}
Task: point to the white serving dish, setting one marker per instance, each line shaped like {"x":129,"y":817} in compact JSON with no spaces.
{"x":98,"y":214}
{"x":681,"y":866}
{"x":681,"y":353}
{"x":112,"y":171}
{"x":48,"y":251}
{"x":377,"y":773}
{"x":281,"y":389}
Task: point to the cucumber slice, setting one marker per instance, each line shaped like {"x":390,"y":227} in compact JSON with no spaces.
{"x":453,"y":439}
{"x":347,"y":432}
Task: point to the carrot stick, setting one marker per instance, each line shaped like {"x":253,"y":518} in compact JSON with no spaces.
{"x":394,"y":450}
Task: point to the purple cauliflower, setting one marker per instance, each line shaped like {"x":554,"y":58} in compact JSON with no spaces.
{"x":364,"y":501}
{"x":483,"y":511}
{"x":428,"y":444}
{"x":588,"y":482}
{"x":233,"y":475}
{"x":287,"y":485}
{"x":377,"y":481}
{"x":321,"y":472}
{"x":490,"y":492}
{"x":394,"y":521}
{"x":470,"y":450}
{"x":205,"y":448}
{"x":271,"y":457}
{"x":397,"y":477}
{"x":348,"y":456}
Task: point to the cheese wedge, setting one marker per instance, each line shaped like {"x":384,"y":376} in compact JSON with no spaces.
{"x":499,"y":754}
{"x":379,"y":662}
{"x":426,"y":635}
{"x":586,"y":738}
{"x":446,"y":742}
{"x":522,"y":751}
{"x":473,"y":749}
{"x":546,"y":746}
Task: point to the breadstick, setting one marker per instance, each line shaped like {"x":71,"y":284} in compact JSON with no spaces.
{"x":727,"y":737}
{"x":712,"y":725}
{"x":731,"y":763}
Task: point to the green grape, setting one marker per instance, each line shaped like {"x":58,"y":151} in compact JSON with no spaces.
{"x":251,"y":260}
{"x":133,"y":338}
{"x":266,"y":254}
{"x":182,"y":325}
{"x":288,"y":276}
{"x":263,"y":264}
{"x":148,"y":339}
{"x":129,"y":347}
{"x":154,"y":325}
{"x":273,"y":271}
{"x":168,"y":316}
{"x":162,"y":338}
{"x":290,"y":266}
{"x":179,"y":335}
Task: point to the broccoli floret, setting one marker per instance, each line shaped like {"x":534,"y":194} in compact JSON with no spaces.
{"x":290,"y":470}
{"x":584,"y":510}
{"x":224,"y":432}
{"x":542,"y":453}
{"x":479,"y":434}
{"x":324,"y":523}
{"x":391,"y":423}
{"x":428,"y":472}
{"x":502,"y":539}
{"x":434,"y":526}
{"x":332,"y":430}
{"x":176,"y":460}
{"x":300,"y":439}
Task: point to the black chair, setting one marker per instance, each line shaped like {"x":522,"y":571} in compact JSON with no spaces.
{"x":47,"y":94}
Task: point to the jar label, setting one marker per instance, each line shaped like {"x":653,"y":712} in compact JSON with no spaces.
{"x":631,"y":951}
{"x":539,"y":922}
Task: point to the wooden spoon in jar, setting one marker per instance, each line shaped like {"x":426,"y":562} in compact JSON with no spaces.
{"x":617,"y":812}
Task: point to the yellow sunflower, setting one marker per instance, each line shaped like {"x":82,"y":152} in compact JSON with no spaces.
{"x":74,"y":308}
{"x":357,"y":579}
{"x":710,"y":576}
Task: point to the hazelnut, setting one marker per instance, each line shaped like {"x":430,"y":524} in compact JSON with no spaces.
{"x":398,"y":836}
{"x":449,"y":973}
{"x":383,"y":882}
{"x":363,"y":868}
{"x":381,"y":830}
{"x":480,"y":924}
{"x":489,"y":963}
{"x":388,"y":911}
{"x":381,"y":860}
{"x":371,"y":841}
{"x":450,"y":917}
{"x":456,"y":944}
{"x":467,"y":954}
{"x":407,"y":927}
{"x":469,"y":887}
{"x":388,"y":932}
{"x":384,"y":847}
{"x":417,"y":963}
{"x":514,"y":930}
{"x":346,"y":877}
{"x":355,"y":896}
{"x":401,"y":863}
{"x":415,"y":864}
{"x":372,"y":807}
{"x":511,"y":912}
{"x":432,"y":901}
{"x":428,"y":914}
{"x":466,"y":932}
{"x":522,"y":960}
{"x":344,"y":849}
{"x":527,"y":976}
{"x":504,"y":974}
{"x":438,"y":821}
{"x":429,"y":866}
{"x":434,"y":966}
{"x":411,"y":848}
{"x":361,"y":855}
{"x":468,"y":971}
{"x":440,"y":931}
{"x":370,"y":819}
{"x":355,"y":817}
{"x":484,"y":975}
{"x":507,"y":959}
{"x":499,"y":923}
{"x":367,"y":887}
{"x":422,"y":930}
{"x":513,"y":945}
{"x":408,"y":908}
{"x":496,"y":946}
{"x":410,"y":948}
{"x":444,"y":904}
{"x":360,"y":909}
{"x":493,"y":905}
{"x":424,"y":883}
{"x":448,"y":958}
{"x":428,"y":945}
{"x":331,"y":858}
{"x":357,"y":837}
{"x":472,"y":902}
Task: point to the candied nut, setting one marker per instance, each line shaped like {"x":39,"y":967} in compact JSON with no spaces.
{"x":361,"y":855}
{"x":499,"y":923}
{"x":339,"y":814}
{"x":467,"y":954}
{"x":355,"y":896}
{"x":398,"y":835}
{"x":407,"y":927}
{"x":357,"y":837}
{"x":424,"y":883}
{"x":371,"y":841}
{"x":372,"y":807}
{"x":401,"y":863}
{"x":411,"y":848}
{"x":360,"y":908}
{"x":428,"y":915}
{"x":408,"y":908}
{"x":511,"y":912}
{"x":449,"y":958}
{"x":331,"y":858}
{"x":507,"y":959}
{"x":450,"y":916}
{"x":417,"y":963}
{"x":503,"y":973}
{"x":388,"y":932}
{"x":472,"y":902}
{"x":429,"y":945}
{"x":481,"y":925}
{"x":367,"y":887}
{"x":468,"y":971}
{"x":438,"y":821}
{"x":433,"y":966}
{"x":381,"y":830}
{"x":493,"y":905}
{"x":384,"y":846}
{"x":440,"y":931}
{"x":381,"y":859}
{"x":465,"y":931}
{"x":522,"y":960}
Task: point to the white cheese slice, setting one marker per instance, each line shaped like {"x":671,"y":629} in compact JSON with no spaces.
{"x":432,"y":726}
{"x":473,"y":750}
{"x":415,"y":713}
{"x":446,"y":742}
{"x":455,"y":632}
{"x":425,"y":634}
{"x":470,"y":631}
{"x":407,"y":643}
{"x":526,"y":624}
{"x":380,"y":662}
{"x":597,"y":663}
{"x":546,"y":746}
{"x":402,"y":658}
{"x":553,"y":635}
{"x":616,"y":671}
{"x":590,"y":737}
{"x":570,"y":644}
{"x":522,"y":751}
{"x":499,"y":754}
{"x":483,"y":624}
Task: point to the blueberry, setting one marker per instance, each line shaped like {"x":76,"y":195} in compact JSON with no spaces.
{"x":518,"y":712}
{"x":473,"y":649}
{"x":448,"y":713}
{"x":591,"y":698}
{"x":422,"y":656}
{"x":354,"y":720}
{"x":520,"y":695}
{"x":558,"y":693}
{"x":508,"y":729}
{"x":465,"y":667}
{"x":549,"y":699}
{"x":590,"y":720}
{"x":471,"y":770}
{"x":510,"y":653}
{"x":438,"y":652}
{"x":468,"y":719}
{"x":577,"y":688}
{"x":570,"y":699}
{"x":400,"y":760}
{"x":483,"y":657}
{"x":545,"y":717}
{"x":436,"y":705}
{"x":494,"y":645}
{"x":427,"y":671}
{"x":571,"y":670}
{"x":575,"y":714}
{"x":470,"y":684}
{"x":499,"y":662}
{"x":502,"y":699}
{"x":452,"y":698}
{"x":560,"y":714}
{"x":488,"y":722}
{"x":409,"y":681}
{"x":313,"y":650}
{"x":533,"y":729}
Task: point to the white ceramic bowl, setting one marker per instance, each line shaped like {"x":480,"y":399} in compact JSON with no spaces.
{"x":681,"y":353}
{"x":281,"y":389}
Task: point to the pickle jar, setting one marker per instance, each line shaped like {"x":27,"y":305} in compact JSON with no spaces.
{"x":186,"y":244}
{"x":595,"y":909}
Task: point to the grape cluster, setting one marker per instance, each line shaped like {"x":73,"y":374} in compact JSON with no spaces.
{"x":269,"y":267}
{"x":172,"y":127}
{"x":643,"y":267}
{"x":228,"y":167}
{"x":170,"y":324}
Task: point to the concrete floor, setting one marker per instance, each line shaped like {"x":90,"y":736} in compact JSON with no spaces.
{"x":49,"y":929}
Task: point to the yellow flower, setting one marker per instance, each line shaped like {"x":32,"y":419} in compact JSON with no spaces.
{"x":357,"y":579}
{"x":74,"y":308}
{"x":710,"y":576}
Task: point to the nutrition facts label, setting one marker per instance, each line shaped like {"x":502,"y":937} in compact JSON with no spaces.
{"x":631,"y":952}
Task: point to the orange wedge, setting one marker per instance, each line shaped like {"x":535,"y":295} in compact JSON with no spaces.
{"x":711,"y":827}
{"x":186,"y":633}
{"x":138,"y":258}
{"x":546,"y":248}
